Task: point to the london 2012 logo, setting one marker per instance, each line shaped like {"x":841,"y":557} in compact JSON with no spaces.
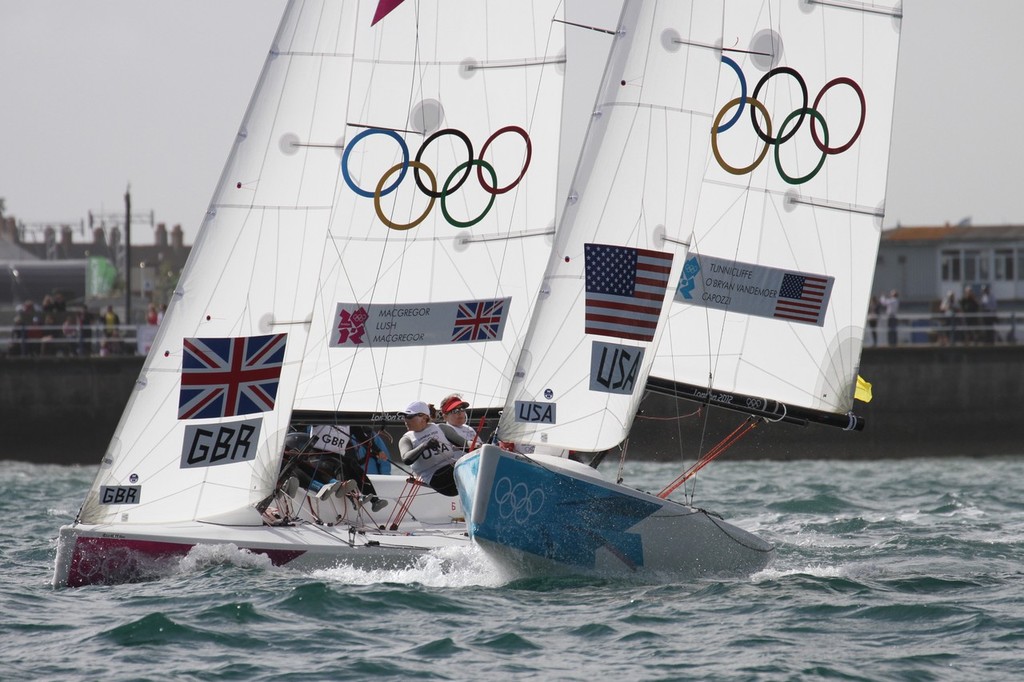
{"x":455,"y":180}
{"x":762,"y":122}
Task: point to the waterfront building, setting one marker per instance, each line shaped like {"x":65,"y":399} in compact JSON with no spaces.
{"x":923,"y":263}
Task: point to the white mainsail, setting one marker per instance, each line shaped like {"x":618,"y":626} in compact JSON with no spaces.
{"x":633,"y":206}
{"x":773,"y":299}
{"x":485,"y":76}
{"x":295,"y":237}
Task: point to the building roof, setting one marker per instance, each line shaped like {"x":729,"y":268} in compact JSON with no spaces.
{"x":955,"y":233}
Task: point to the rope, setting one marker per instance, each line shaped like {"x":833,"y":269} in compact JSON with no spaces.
{"x":479,"y":428}
{"x":404,"y":502}
{"x":740,"y":431}
{"x":673,"y":418}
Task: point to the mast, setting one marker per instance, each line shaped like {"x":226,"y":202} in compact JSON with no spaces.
{"x":128,"y":255}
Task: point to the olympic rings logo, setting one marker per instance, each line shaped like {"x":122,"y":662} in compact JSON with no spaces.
{"x":517,"y":501}
{"x":821,"y":142}
{"x":451,"y":185}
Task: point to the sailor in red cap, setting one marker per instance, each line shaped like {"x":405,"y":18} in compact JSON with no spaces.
{"x":453,"y":410}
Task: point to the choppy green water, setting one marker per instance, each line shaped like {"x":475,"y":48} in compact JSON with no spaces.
{"x":889,"y":570}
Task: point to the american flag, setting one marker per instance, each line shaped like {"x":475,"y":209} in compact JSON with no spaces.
{"x":625,"y":290}
{"x":479,"y":321}
{"x":801,"y":298}
{"x":224,"y":377}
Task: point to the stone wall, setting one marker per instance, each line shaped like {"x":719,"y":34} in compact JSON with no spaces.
{"x":62,"y":410}
{"x":928,"y":401}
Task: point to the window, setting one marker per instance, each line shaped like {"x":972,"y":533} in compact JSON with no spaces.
{"x":1004,"y":262}
{"x":975,"y":266}
{"x":950,"y":265}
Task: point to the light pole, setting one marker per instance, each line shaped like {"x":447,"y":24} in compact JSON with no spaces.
{"x":128,"y":255}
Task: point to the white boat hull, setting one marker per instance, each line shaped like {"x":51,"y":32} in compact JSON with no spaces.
{"x":321,"y":533}
{"x":556,"y":514}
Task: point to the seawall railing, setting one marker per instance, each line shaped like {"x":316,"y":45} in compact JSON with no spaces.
{"x":911,"y":329}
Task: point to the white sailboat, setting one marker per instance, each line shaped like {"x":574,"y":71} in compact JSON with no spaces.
{"x":377,"y":236}
{"x":719,"y":245}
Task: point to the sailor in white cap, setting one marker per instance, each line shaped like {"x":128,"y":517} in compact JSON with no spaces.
{"x":426,"y":450}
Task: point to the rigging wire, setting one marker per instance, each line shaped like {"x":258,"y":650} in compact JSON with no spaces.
{"x":743,"y":429}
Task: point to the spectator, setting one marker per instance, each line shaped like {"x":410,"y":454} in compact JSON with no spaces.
{"x":85,"y":322}
{"x":19,"y":335}
{"x":988,"y":309}
{"x":50,"y":334}
{"x":891,"y":303}
{"x":111,"y":332}
{"x":874,"y":310}
{"x":34,"y":328}
{"x":949,"y":309}
{"x":969,"y":305}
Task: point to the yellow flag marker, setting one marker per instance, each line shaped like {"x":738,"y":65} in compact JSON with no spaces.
{"x":863,"y":392}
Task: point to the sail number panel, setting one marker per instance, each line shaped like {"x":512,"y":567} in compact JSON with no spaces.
{"x":216,"y":444}
{"x":120,"y":494}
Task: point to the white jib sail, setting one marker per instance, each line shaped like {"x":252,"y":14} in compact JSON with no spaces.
{"x":621,"y":243}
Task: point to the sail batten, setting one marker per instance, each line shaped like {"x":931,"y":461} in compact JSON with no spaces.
{"x":837,"y":206}
{"x":873,"y":7}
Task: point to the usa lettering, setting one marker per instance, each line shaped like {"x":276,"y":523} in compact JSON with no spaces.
{"x":535,"y":413}
{"x":618,"y":370}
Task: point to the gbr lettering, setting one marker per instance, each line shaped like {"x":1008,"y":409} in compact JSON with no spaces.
{"x":217,"y":444}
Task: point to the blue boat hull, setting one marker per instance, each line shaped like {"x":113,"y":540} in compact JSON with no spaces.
{"x":538,"y":511}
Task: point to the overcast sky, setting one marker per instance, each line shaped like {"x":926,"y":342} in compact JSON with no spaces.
{"x":97,"y":94}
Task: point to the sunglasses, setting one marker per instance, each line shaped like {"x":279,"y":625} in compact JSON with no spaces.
{"x":457,"y":410}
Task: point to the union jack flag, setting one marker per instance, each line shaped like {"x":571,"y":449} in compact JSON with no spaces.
{"x":479,"y":321}
{"x":224,"y":377}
